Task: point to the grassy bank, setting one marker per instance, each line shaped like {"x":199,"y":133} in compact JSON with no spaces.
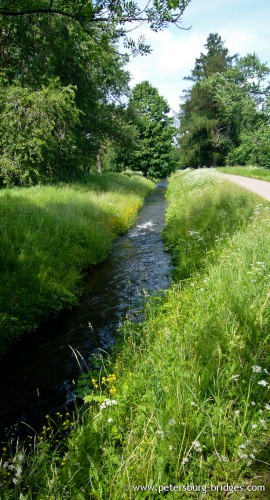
{"x":49,"y":234}
{"x":187,"y":400}
{"x":254,"y":172}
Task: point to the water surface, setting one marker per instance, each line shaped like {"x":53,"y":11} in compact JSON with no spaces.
{"x":36,"y":378}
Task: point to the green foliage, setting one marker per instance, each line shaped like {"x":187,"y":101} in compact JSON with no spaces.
{"x":49,"y":235}
{"x":203,"y":212}
{"x":187,"y":400}
{"x":151,"y":151}
{"x":226,"y":110}
{"x":216,"y":59}
{"x":37,"y":138}
{"x":103,"y":16}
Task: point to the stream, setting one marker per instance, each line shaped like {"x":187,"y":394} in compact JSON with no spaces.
{"x":36,"y":377}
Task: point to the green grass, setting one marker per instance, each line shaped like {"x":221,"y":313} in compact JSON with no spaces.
{"x":204,"y":210}
{"x":49,"y":234}
{"x":187,"y":399}
{"x":250,"y":171}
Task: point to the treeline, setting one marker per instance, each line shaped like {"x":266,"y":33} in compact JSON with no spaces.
{"x":65,"y":102}
{"x":225,"y":114}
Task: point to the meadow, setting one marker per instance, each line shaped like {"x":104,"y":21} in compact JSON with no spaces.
{"x":183,"y":403}
{"x":50,"y":235}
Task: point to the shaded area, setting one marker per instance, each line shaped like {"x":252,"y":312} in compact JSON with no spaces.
{"x":37,"y":376}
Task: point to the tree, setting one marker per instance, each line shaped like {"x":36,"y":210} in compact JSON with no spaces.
{"x":103,"y":15}
{"x":223,"y":107}
{"x":199,"y":124}
{"x":152,"y":149}
{"x":216,"y":59}
{"x":33,"y":58}
{"x":38,"y":139}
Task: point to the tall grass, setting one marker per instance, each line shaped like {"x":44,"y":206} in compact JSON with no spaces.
{"x":186,"y":403}
{"x":49,"y":234}
{"x":204,"y":211}
{"x":247,"y":171}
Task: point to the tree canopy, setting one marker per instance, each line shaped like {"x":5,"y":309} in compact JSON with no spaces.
{"x":226,"y":104}
{"x":104,"y":15}
{"x":60,"y":66}
{"x":152,"y":150}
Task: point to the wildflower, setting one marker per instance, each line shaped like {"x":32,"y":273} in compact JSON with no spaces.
{"x":184,"y":461}
{"x":235,"y":377}
{"x":256,"y":369}
{"x":172,"y":421}
{"x":253,"y":403}
{"x":197,"y":446}
{"x":242,"y":455}
{"x":263,"y":423}
{"x":237,"y":412}
{"x":263,"y":382}
{"x":254,"y":426}
{"x":222,"y":458}
{"x":18,"y":471}
{"x":267,"y":407}
{"x":170,"y":447}
{"x":192,"y":403}
{"x":107,"y":402}
{"x":110,"y":420}
{"x":252,"y":456}
{"x":160,"y":433}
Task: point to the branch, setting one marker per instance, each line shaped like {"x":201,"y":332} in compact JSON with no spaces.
{"x":26,"y":12}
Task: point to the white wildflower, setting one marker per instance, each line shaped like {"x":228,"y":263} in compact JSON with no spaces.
{"x":184,"y":461}
{"x":253,"y":403}
{"x":267,"y":407}
{"x":237,"y":412}
{"x":263,"y":423}
{"x":256,"y":369}
{"x":110,"y":420}
{"x":160,"y":433}
{"x":172,"y":421}
{"x":197,"y":446}
{"x":263,"y":383}
{"x":107,"y":402}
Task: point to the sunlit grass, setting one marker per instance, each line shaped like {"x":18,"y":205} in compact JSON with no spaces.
{"x":186,"y":402}
{"x":49,"y":234}
{"x":247,"y":171}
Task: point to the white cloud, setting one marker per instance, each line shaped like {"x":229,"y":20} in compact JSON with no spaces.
{"x":242,"y":24}
{"x":172,"y":58}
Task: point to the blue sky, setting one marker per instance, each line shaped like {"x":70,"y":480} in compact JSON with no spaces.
{"x":243,"y":24}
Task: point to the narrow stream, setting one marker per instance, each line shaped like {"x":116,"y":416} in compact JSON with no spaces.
{"x":36,"y":378}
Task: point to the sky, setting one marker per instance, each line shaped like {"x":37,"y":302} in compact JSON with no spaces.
{"x":242,"y":24}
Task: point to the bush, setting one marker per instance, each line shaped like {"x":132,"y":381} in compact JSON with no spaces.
{"x":37,"y":137}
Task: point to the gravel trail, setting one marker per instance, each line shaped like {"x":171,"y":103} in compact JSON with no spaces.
{"x":262,"y":188}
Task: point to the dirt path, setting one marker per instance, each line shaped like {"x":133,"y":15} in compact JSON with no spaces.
{"x":262,"y":188}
